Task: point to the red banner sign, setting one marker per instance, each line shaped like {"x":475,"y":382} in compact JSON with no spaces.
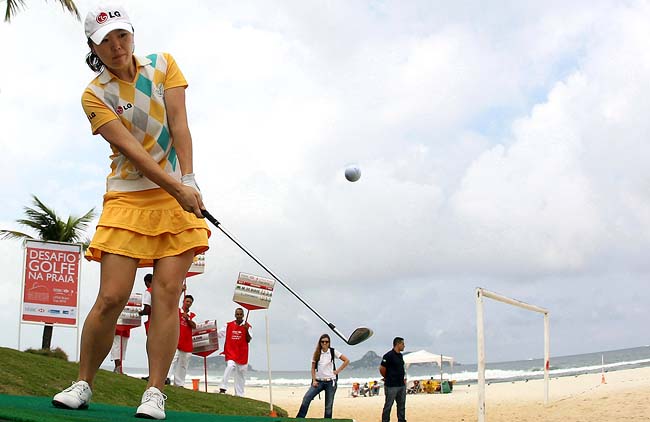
{"x":51,"y":282}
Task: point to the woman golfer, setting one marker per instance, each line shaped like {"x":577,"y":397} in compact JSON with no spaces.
{"x":152,"y":206}
{"x":324,"y":375}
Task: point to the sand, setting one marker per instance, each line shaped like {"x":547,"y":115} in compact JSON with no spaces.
{"x":625,"y":396}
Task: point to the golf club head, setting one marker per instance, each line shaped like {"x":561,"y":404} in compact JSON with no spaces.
{"x":359,"y":335}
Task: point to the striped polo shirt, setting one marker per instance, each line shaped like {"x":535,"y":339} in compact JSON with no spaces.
{"x":140,"y":106}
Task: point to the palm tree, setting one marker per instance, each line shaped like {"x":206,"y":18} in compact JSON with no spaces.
{"x":49,"y":226}
{"x":14,"y":5}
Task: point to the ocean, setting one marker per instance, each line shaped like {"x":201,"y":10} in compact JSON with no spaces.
{"x":463,"y":373}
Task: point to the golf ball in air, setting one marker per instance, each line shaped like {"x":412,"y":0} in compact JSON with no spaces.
{"x":352,"y":173}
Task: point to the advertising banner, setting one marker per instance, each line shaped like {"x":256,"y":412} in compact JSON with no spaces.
{"x":198,"y":265}
{"x":51,"y":282}
{"x":205,"y":338}
{"x":253,"y":292}
{"x":129,"y":317}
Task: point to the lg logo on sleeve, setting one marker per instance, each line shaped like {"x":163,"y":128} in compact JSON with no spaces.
{"x":119,"y":110}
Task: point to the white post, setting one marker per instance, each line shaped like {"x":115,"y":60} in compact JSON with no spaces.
{"x":21,"y":305}
{"x":510,"y":301}
{"x":81,"y":249}
{"x":268,"y":363}
{"x":547,"y":356}
{"x":441,"y":374}
{"x":20,"y":317}
{"x":480,"y":345}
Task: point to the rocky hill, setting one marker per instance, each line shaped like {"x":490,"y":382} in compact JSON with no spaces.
{"x":369,"y":360}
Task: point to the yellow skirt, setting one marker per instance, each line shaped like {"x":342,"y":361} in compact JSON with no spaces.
{"x":146,"y":225}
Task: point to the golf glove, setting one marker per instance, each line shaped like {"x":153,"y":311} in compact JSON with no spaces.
{"x":188,"y":180}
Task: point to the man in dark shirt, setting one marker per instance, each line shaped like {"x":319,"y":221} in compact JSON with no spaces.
{"x":392,"y":369}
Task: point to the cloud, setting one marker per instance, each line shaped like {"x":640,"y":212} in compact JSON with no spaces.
{"x":503,"y":147}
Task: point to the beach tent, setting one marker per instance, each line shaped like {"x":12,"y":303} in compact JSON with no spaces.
{"x":422,"y":356}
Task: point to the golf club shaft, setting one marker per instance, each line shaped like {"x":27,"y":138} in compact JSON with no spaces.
{"x":217,"y":224}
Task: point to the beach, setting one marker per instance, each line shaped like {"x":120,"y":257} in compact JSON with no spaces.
{"x":624,"y":396}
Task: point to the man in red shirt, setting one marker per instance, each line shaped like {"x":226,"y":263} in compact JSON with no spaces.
{"x":237,"y":335}
{"x":184,"y":350}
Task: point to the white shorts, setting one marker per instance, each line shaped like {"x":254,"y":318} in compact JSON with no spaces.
{"x":115,"y":350}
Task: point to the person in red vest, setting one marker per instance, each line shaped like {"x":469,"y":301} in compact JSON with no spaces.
{"x":118,"y":350}
{"x":122,"y":334}
{"x":237,"y":335}
{"x":185,"y":348}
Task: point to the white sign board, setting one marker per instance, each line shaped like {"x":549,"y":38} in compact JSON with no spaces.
{"x":198,"y":265}
{"x":130,"y":317}
{"x":205,"y":338}
{"x":253,"y":292}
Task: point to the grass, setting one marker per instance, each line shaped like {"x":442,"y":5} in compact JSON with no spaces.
{"x":53,"y":353}
{"x":28,"y":374}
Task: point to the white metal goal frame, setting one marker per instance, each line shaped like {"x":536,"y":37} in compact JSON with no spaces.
{"x":480,"y":343}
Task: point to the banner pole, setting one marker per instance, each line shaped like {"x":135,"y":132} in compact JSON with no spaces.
{"x":21,"y":304}
{"x":205,"y":372}
{"x":81,"y":248}
{"x":268,"y":364}
{"x":121,"y":354}
{"x":78,"y":344}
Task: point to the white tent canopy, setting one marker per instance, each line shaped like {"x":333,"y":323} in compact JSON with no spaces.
{"x":422,"y":356}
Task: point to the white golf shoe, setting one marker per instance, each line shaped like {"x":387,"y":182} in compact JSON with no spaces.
{"x":152,"y":405}
{"x":77,"y":396}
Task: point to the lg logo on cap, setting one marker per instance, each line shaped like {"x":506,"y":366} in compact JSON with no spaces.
{"x":103,"y":17}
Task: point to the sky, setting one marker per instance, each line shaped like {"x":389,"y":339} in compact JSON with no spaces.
{"x":502,"y":145}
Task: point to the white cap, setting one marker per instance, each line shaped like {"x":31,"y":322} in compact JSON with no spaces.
{"x":104,"y":19}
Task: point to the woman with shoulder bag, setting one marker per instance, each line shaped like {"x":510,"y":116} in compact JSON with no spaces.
{"x":324,"y":376}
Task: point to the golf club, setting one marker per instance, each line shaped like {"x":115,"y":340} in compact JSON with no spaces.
{"x":357,"y":336}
